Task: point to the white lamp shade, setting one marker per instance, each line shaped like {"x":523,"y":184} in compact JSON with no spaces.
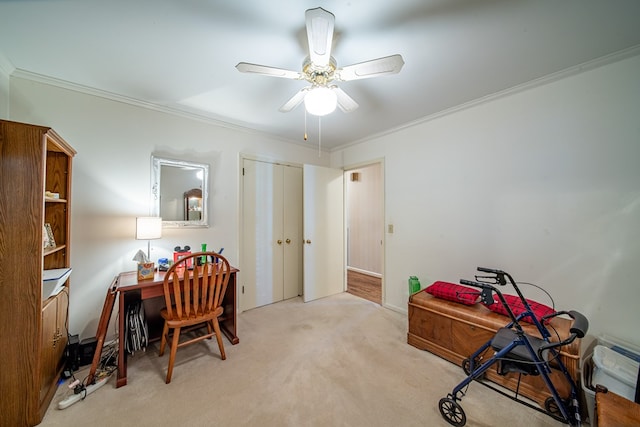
{"x":320,"y":101}
{"x":148,"y":227}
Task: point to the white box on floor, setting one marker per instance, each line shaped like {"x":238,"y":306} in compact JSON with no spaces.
{"x":587,"y":367}
{"x":615,"y":371}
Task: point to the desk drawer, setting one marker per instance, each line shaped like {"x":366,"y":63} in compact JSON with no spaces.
{"x":151,"y":292}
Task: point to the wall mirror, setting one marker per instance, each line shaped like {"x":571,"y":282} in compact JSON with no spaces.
{"x":180,"y":192}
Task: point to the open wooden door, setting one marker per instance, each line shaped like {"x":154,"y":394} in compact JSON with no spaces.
{"x":323,"y":204}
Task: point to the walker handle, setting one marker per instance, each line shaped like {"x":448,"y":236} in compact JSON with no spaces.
{"x":490,"y":270}
{"x":578,"y":330}
{"x":486,"y":295}
{"x":477,"y":284}
{"x":580,"y":324}
{"x":500,"y":274}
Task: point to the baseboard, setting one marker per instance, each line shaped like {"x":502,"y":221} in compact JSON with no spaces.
{"x":368,"y":273}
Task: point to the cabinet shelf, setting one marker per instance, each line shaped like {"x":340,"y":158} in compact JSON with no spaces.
{"x":50,"y":251}
{"x":52,"y":200}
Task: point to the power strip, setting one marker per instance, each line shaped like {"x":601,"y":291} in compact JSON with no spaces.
{"x":63,"y":404}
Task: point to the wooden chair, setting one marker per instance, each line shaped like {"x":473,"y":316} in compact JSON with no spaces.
{"x":193,"y":295}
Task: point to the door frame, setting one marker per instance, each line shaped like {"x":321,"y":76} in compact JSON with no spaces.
{"x":347,"y":169}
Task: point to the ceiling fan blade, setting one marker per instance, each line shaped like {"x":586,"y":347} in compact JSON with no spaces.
{"x":294,"y":101}
{"x":345,"y":102}
{"x":245,"y":67}
{"x":320,"y":25}
{"x":374,"y":68}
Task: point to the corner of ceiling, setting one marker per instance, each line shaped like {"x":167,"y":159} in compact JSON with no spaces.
{"x":6,"y":67}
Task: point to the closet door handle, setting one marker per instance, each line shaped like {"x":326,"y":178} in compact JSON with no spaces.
{"x":288,"y":241}
{"x":308,"y":242}
{"x":279,"y":241}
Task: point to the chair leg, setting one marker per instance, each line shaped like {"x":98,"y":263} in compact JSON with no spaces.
{"x":210,"y":328}
{"x":172,"y":355}
{"x":163,"y":341}
{"x":216,"y":327}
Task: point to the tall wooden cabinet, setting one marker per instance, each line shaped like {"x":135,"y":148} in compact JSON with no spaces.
{"x":33,"y":337}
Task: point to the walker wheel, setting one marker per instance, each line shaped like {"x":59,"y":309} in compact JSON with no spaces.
{"x":466,"y":367}
{"x":553,"y":410}
{"x":452,"y":412}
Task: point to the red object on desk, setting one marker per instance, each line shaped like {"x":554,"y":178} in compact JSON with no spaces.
{"x":179,"y":255}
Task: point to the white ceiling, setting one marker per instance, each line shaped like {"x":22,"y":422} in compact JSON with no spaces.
{"x":181,"y":54}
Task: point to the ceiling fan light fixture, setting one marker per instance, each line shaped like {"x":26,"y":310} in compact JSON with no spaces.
{"x":321,"y":71}
{"x":320,"y":101}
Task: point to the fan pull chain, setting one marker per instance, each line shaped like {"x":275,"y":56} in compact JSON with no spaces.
{"x":305,"y":124}
{"x":319,"y":136}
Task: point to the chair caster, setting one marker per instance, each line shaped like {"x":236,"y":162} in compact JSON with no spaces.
{"x":452,"y":411}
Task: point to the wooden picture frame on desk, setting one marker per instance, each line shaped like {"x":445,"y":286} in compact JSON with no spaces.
{"x":151,"y":291}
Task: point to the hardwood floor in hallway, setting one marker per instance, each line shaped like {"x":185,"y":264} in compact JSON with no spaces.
{"x":364,"y":286}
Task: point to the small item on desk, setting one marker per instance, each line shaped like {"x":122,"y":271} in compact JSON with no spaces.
{"x":179,"y":253}
{"x":203,"y":259}
{"x":145,"y":267}
{"x":145,"y":270}
{"x":163,"y":264}
{"x":219,"y":253}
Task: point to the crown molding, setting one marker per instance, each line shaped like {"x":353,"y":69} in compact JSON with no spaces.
{"x":550,"y":78}
{"x":6,"y":66}
{"x":87,"y":90}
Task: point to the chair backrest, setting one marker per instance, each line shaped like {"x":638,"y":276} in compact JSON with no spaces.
{"x":195,"y":285}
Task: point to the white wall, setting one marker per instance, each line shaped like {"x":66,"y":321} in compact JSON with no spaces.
{"x":111,"y":180}
{"x":4,"y":91}
{"x":544,"y":184}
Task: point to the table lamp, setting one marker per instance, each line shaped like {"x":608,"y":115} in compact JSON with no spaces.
{"x":148,"y":228}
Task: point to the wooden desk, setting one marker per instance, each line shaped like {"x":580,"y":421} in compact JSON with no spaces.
{"x":613,"y":410}
{"x":150,"y":291}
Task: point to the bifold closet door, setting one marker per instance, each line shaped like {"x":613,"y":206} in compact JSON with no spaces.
{"x":292,"y":231}
{"x":272,"y":233}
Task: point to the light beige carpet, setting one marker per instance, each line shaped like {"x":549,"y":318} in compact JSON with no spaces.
{"x":338,"y":361}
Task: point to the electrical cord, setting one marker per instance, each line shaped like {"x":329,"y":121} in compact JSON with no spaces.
{"x":553,"y":303}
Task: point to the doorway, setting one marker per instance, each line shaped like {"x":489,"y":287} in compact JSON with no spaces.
{"x":365,"y":231}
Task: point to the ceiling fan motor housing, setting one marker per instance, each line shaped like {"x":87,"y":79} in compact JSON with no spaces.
{"x":318,"y":75}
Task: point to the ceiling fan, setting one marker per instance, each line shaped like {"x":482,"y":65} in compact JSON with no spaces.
{"x":321,"y":70}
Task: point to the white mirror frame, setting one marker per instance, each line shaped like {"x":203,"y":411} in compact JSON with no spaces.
{"x":156,"y":181}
